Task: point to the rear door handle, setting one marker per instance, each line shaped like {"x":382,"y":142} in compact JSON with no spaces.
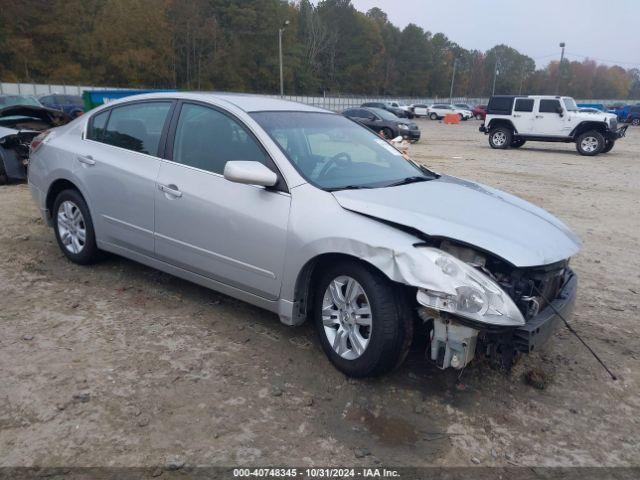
{"x":517,"y":116}
{"x":86,"y":159}
{"x":170,"y":190}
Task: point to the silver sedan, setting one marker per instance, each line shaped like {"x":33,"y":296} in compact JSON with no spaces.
{"x":309,"y":215}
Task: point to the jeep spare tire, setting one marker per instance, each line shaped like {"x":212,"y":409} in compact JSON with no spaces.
{"x":590,"y":143}
{"x":500,"y":137}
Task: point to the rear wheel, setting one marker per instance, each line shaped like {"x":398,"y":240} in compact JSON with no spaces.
{"x":590,"y":143}
{"x":362,"y":320}
{"x":74,"y":228}
{"x":388,"y":133}
{"x":635,"y":122}
{"x":500,"y":138}
{"x":433,"y":116}
{"x":608,"y":146}
{"x":518,"y":142}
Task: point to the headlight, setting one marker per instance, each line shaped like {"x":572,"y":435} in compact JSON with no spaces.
{"x":469,"y":293}
{"x":403,"y":126}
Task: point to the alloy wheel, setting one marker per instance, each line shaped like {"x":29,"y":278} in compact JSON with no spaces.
{"x":589,"y":144}
{"x":346,"y":317}
{"x":71,"y":227}
{"x":499,"y":139}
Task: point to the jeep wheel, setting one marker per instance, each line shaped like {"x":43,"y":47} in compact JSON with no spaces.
{"x":590,"y":143}
{"x":362,"y":319}
{"x":433,"y":116}
{"x":608,"y":146}
{"x":500,"y":138}
{"x":518,"y":142}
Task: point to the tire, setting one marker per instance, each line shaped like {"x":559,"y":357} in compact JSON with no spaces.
{"x":608,"y":146}
{"x":635,"y":122}
{"x":71,"y":207}
{"x":478,"y":116}
{"x":500,"y":138}
{"x":517,"y":142}
{"x":590,"y":143}
{"x":4,"y":178}
{"x":433,"y":116}
{"x":384,"y":342}
{"x":388,"y":133}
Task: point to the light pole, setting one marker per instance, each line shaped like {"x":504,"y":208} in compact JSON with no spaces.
{"x":453,"y":77}
{"x":495,"y":75}
{"x":562,"y":45}
{"x":280,"y":30}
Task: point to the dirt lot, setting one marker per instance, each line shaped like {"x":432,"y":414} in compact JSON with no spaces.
{"x":120,"y":365}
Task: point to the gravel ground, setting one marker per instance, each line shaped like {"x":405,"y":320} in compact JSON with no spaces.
{"x":120,"y":365}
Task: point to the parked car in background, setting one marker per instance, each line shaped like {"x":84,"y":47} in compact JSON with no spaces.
{"x":382,"y":121}
{"x":479,"y":112}
{"x":7,"y":100}
{"x":633,"y":115}
{"x":514,"y":120}
{"x":420,"y":109}
{"x":408,"y":109}
{"x":463,"y":106}
{"x":437,"y":111}
{"x":397,"y":111}
{"x":20,"y":123}
{"x":321,"y":219}
{"x":72,"y":105}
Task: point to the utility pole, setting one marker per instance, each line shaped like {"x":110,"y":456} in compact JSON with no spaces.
{"x":280,"y":31}
{"x":453,"y":78}
{"x":521,"y":81}
{"x":562,"y":45}
{"x":495,"y":75}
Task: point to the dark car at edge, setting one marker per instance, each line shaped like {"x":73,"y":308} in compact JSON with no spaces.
{"x":382,"y":121}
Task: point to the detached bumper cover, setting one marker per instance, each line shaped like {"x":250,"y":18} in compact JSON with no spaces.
{"x":540,"y":328}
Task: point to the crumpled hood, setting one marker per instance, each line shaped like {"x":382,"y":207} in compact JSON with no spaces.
{"x":54,"y":117}
{"x":468,"y":212}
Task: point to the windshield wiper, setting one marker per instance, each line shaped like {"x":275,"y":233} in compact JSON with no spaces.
{"x":407,"y":180}
{"x":347,"y":187}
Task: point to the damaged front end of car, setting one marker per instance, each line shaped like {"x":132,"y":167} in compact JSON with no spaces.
{"x":19,"y":126}
{"x":491,"y":308}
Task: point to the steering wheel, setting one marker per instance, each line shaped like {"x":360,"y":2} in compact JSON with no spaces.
{"x":342,"y":157}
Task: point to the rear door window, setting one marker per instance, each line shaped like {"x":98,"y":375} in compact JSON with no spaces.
{"x":137,"y":127}
{"x":549,"y":106}
{"x":97,"y":126}
{"x":524,"y":105}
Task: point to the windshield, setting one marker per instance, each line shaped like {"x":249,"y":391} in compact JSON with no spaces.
{"x":570,"y":104}
{"x":385,"y":114}
{"x":9,"y":100}
{"x":333,"y":152}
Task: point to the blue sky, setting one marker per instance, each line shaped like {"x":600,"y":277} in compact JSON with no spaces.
{"x":607,"y":31}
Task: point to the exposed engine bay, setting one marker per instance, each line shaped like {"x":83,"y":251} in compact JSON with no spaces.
{"x":19,"y":125}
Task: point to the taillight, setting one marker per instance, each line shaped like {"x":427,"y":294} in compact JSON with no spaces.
{"x":37,"y":141}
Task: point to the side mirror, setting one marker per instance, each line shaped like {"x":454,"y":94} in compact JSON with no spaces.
{"x":559,"y":111}
{"x":250,"y":173}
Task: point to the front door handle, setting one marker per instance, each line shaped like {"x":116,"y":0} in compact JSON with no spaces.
{"x":170,"y":190}
{"x":539,"y":116}
{"x":517,"y":116}
{"x":86,"y":159}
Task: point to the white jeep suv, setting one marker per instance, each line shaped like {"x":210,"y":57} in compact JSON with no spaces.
{"x":511,"y":121}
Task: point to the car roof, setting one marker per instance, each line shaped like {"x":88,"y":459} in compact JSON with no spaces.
{"x":245,"y":101}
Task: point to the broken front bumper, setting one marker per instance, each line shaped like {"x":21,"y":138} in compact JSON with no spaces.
{"x":617,"y":134}
{"x":540,"y":328}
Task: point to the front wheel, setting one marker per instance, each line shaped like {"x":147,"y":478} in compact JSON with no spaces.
{"x":433,"y":116}
{"x":500,"y":138}
{"x":590,"y":143}
{"x":362,"y":320}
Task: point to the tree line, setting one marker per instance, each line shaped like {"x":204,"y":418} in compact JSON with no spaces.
{"x":233,"y":45}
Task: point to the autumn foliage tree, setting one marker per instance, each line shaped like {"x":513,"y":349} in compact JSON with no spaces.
{"x":329,"y":46}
